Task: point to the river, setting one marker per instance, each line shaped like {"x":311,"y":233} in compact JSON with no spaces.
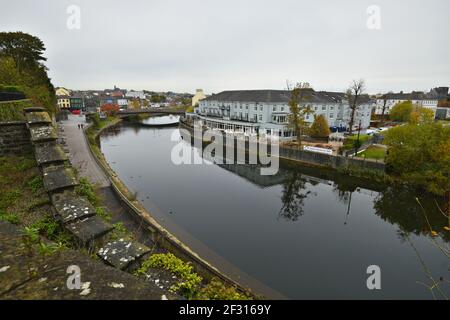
{"x":304,"y":233}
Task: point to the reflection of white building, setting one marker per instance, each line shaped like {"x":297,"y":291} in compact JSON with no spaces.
{"x":389,"y":100}
{"x":266,"y":111}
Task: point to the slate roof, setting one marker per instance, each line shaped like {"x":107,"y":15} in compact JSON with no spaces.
{"x":415,"y":95}
{"x":276,"y":96}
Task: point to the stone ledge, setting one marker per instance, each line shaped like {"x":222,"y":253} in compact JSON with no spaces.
{"x":122,"y":253}
{"x":43,"y":133}
{"x":70,"y":207}
{"x":49,"y":152}
{"x":38,"y":118}
{"x":59,"y":177}
{"x":89,"y":229}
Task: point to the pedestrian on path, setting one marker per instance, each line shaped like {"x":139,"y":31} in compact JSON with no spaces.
{"x":78,"y":126}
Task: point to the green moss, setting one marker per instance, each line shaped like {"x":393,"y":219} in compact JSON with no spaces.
{"x":190,"y":281}
{"x":86,"y":189}
{"x":216,"y":290}
{"x":13,"y":110}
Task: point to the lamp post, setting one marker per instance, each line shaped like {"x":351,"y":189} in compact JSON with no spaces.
{"x":357,"y":145}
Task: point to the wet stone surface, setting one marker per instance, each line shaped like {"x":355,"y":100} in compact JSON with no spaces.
{"x":38,"y":117}
{"x":43,"y":133}
{"x":59,"y":177}
{"x":89,"y":229}
{"x":49,"y":152}
{"x":71,"y":207}
{"x":122,"y":253}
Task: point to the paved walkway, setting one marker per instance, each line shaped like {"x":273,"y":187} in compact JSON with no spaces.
{"x":80,"y":156}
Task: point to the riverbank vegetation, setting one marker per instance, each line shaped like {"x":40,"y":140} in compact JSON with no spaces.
{"x":420,"y":154}
{"x":190,"y":283}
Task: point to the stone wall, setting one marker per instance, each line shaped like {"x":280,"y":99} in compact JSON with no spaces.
{"x":14,"y":138}
{"x":330,"y":160}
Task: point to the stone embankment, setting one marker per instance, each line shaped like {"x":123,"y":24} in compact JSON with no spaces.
{"x":72,"y":211}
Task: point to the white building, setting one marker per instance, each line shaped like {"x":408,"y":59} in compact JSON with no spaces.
{"x":266,"y":111}
{"x":389,"y":100}
{"x":123,"y":103}
{"x":135,"y":94}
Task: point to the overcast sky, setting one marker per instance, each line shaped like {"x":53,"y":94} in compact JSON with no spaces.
{"x":181,"y":45}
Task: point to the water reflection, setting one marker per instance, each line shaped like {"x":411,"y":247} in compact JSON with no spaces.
{"x":320,"y":229}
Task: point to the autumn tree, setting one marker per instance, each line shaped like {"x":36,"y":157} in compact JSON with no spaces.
{"x":320,"y":128}
{"x":354,"y":96}
{"x":421,"y":115}
{"x":402,"y":111}
{"x":419,"y":153}
{"x":299,"y":109}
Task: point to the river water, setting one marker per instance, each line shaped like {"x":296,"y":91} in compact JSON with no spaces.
{"x":301,"y":234}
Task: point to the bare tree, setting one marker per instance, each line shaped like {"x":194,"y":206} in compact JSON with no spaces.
{"x":354,"y":94}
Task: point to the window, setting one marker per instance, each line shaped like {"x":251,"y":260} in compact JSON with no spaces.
{"x":324,"y":108}
{"x":256,"y":108}
{"x":282,"y":108}
{"x":274,"y":109}
{"x":331,"y":115}
{"x":261,"y":108}
{"x":260,"y":117}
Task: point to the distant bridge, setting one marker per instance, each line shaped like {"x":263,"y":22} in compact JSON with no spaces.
{"x":132,"y":112}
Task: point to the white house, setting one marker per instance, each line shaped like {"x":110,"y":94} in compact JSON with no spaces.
{"x":266,"y":111}
{"x":389,"y":100}
{"x":135,"y":94}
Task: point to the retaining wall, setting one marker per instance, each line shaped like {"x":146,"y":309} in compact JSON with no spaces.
{"x":14,"y":138}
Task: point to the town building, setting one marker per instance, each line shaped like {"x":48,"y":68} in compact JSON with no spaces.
{"x":266,"y":111}
{"x":199,"y":95}
{"x":60,"y":91}
{"x":63,"y":102}
{"x":389,"y":100}
{"x":77,"y":103}
{"x":135,"y":94}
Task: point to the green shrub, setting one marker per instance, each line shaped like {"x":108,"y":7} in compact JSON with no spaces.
{"x":190,"y":281}
{"x":9,"y":217}
{"x":36,"y":184}
{"x":216,"y":290}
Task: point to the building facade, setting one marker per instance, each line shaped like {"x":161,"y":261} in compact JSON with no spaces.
{"x":63,"y":102}
{"x":388,"y":101}
{"x":267,"y":111}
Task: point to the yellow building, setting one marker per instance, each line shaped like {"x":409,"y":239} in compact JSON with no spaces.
{"x":199,"y":95}
{"x":62,"y":92}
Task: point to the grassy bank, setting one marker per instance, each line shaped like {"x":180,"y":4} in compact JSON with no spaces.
{"x":13,"y":110}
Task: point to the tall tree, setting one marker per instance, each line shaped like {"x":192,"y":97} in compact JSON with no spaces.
{"x":21,"y":55}
{"x":383,"y":109}
{"x":354,"y":97}
{"x":299,"y":109}
{"x":320,"y":127}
